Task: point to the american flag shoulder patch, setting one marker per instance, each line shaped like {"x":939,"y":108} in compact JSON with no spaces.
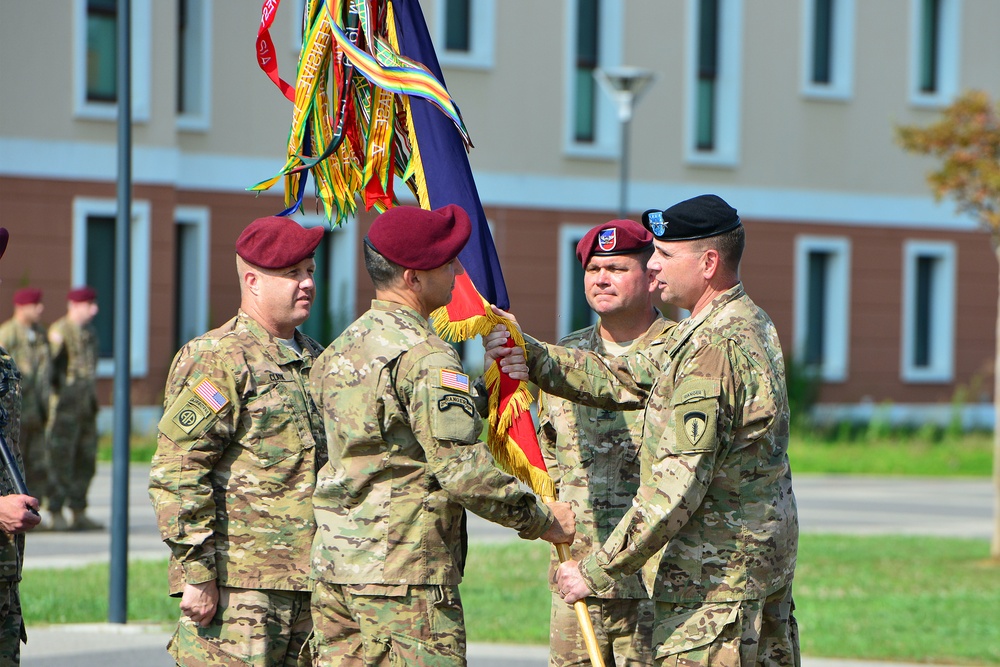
{"x":455,"y":380}
{"x":210,"y":394}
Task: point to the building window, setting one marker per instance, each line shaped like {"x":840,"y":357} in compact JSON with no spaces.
{"x":713,"y":81}
{"x":334,"y":307}
{"x":584,"y":84}
{"x":928,"y":311}
{"x":194,"y":29}
{"x":465,"y":30}
{"x":191,"y":281}
{"x":828,"y":26}
{"x":102,"y":50}
{"x":574,"y":311}
{"x":935,"y":38}
{"x":95,"y":56}
{"x":822,"y":305}
{"x":93,"y":264}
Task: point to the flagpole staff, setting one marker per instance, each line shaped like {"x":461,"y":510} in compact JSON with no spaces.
{"x":580,"y":607}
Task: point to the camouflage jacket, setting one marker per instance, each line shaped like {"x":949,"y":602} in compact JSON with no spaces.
{"x":236,"y":459}
{"x":74,"y":362}
{"x":11,"y":546}
{"x":30,"y":349}
{"x":593,"y":458}
{"x":714,"y":519}
{"x":405,"y":461}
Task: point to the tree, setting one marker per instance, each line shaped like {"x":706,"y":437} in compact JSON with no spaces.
{"x":966,"y":140}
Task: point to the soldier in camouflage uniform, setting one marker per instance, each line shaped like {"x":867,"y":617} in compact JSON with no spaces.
{"x":405,"y":462}
{"x":238,"y":449}
{"x":72,"y":427}
{"x":593,"y":454}
{"x":25,"y":339}
{"x":18,"y":513}
{"x":714,"y":522}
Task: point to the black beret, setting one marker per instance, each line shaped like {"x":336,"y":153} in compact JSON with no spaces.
{"x":276,"y":242}
{"x":696,"y":218}
{"x":616,"y":237}
{"x":416,"y":238}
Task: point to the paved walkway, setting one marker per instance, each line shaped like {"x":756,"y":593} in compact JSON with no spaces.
{"x":828,"y":504}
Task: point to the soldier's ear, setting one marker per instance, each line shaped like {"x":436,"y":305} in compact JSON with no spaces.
{"x":252,"y":280}
{"x":411,"y":278}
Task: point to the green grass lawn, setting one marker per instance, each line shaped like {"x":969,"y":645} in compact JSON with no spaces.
{"x":912,"y":599}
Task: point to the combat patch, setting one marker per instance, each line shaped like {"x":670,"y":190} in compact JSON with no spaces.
{"x":449,"y":401}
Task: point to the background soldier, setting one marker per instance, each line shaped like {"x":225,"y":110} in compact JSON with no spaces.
{"x":714,"y":517}
{"x":72,"y":428}
{"x":236,"y":460}
{"x":592,"y":454}
{"x":405,"y":461}
{"x":16,"y":515}
{"x":24,"y":339}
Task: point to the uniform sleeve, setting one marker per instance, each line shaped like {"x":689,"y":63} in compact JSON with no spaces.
{"x":445,"y":422}
{"x":198,"y":422}
{"x":684,"y":460}
{"x":588,"y":378}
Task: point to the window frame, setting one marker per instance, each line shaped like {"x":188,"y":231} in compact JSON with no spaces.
{"x":482,"y":36}
{"x":942,"y":319}
{"x":949,"y":54}
{"x":841,"y":84}
{"x":837,"y":324}
{"x":729,"y":85}
{"x":200,"y":120}
{"x":84,"y":109}
{"x":342,"y":269}
{"x":84,"y":208}
{"x":569,"y":236}
{"x":607,"y":135}
{"x":199,"y":218}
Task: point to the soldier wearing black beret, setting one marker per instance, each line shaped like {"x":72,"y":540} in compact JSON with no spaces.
{"x":237,"y":452}
{"x":714,"y":515}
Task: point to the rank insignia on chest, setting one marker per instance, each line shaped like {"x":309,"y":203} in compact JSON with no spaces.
{"x":694,"y":426}
{"x":454,"y":380}
{"x":210,"y":394}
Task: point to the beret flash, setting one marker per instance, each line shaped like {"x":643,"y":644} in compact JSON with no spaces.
{"x":415,"y":238}
{"x":27,"y":295}
{"x":82,"y":294}
{"x":696,"y":218}
{"x":616,"y":237}
{"x":275,"y":242}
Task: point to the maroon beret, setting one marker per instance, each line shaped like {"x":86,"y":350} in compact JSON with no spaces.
{"x":4,"y":237}
{"x":81,"y":294}
{"x":615,"y":237}
{"x":27,"y":295}
{"x":276,"y":242}
{"x":415,"y":238}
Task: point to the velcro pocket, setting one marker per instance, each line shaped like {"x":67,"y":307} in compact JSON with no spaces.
{"x":695,"y":405}
{"x":693,"y":630}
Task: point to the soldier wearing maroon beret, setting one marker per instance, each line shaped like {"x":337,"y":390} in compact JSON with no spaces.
{"x":18,"y":512}
{"x":72,"y":425}
{"x":405,"y":461}
{"x":238,"y":448}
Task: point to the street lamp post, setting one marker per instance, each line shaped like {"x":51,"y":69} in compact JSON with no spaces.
{"x":625,"y":85}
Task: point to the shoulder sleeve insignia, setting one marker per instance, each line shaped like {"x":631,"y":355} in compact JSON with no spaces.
{"x":454,"y":380}
{"x":695,"y":425}
{"x":449,"y":401}
{"x":210,"y":394}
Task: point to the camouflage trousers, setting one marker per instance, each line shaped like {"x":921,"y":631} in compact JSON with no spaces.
{"x":35,"y":455}
{"x":623,"y":628}
{"x":72,"y":453}
{"x":374,"y":624}
{"x":728,"y":634}
{"x":11,"y":625}
{"x":251,"y":627}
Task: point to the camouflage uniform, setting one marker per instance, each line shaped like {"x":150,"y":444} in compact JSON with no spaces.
{"x":231,"y":483}
{"x":30,"y":350}
{"x":72,"y":427}
{"x":11,"y":546}
{"x":405,"y":462}
{"x":714,"y":520}
{"x":592,"y":455}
